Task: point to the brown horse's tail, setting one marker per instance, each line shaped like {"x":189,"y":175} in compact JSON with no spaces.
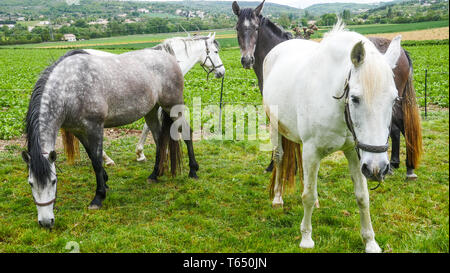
{"x":411,"y":121}
{"x":169,"y":148}
{"x":71,"y":146}
{"x":290,"y":164}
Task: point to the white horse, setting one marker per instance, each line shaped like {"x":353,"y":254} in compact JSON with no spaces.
{"x":188,"y":51}
{"x":339,"y":96}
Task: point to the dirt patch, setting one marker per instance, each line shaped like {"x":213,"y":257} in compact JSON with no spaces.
{"x":418,"y":35}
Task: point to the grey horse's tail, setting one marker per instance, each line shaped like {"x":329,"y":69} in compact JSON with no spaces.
{"x":169,"y":148}
{"x":71,"y":146}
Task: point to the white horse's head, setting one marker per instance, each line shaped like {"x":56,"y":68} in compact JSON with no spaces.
{"x":372,"y":93}
{"x":43,"y":181}
{"x":211,"y":56}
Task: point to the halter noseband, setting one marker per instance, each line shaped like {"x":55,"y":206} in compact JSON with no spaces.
{"x":44,"y":204}
{"x":348,"y":120}
{"x":214,"y":67}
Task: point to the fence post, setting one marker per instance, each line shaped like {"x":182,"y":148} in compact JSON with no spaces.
{"x":426,"y":75}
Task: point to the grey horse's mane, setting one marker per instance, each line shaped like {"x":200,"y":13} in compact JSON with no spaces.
{"x":167,"y":45}
{"x":39,"y":165}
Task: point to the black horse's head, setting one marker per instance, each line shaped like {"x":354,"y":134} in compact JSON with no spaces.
{"x":247,"y":32}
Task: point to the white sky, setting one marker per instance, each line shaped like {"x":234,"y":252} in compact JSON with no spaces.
{"x":303,"y":3}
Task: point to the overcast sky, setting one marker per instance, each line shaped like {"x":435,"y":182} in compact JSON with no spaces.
{"x":305,"y":3}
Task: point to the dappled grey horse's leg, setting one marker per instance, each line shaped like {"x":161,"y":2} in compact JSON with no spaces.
{"x":140,"y":146}
{"x":311,"y":163}
{"x":362,"y":198}
{"x":154,"y":125}
{"x":193,"y":165}
{"x":93,"y":143}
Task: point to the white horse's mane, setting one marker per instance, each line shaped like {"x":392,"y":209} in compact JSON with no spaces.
{"x":374,"y":73}
{"x":185,"y":42}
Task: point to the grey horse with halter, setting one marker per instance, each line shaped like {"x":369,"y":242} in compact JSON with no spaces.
{"x":83,"y":93}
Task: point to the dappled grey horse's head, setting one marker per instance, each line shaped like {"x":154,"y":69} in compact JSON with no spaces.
{"x":247,"y":32}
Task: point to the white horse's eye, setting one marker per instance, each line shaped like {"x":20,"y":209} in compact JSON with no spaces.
{"x":355,"y":99}
{"x":31,"y":184}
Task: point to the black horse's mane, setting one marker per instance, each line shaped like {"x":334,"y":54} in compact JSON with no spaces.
{"x":275,"y":29}
{"x":39,"y":165}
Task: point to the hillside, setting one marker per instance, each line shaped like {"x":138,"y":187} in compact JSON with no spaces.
{"x":319,"y":9}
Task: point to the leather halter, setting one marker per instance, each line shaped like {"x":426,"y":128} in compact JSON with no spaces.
{"x":214,"y":67}
{"x":44,"y":204}
{"x":348,"y":120}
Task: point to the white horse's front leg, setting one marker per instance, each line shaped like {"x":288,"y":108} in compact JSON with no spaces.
{"x":140,"y":146}
{"x":311,"y":162}
{"x":362,"y":198}
{"x":108,"y":161}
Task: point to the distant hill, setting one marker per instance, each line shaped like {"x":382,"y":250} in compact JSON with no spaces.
{"x":319,"y":9}
{"x":111,"y":8}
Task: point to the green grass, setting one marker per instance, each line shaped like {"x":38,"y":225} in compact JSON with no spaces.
{"x":228,"y":208}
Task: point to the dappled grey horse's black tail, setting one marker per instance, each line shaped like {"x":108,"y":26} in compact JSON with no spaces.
{"x":168,"y":148}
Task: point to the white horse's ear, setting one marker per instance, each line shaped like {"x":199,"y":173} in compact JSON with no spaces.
{"x":213,"y":36}
{"x":358,"y":54}
{"x":209,"y":35}
{"x":236,"y":8}
{"x":393,"y":52}
{"x":258,"y":9}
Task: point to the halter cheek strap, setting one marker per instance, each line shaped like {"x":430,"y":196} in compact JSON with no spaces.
{"x":348,"y":120}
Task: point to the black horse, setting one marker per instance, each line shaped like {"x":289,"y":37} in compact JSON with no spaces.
{"x":257,"y":35}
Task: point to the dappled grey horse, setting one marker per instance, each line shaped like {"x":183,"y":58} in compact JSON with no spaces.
{"x":84,"y":93}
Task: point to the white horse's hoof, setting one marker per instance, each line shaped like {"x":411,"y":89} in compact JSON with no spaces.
{"x":277,"y":204}
{"x":307,"y":243}
{"x":372,"y":247}
{"x":110,"y":163}
{"x":412,"y":176}
{"x":141,"y":158}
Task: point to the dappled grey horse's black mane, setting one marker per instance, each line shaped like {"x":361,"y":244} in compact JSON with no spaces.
{"x":39,"y":165}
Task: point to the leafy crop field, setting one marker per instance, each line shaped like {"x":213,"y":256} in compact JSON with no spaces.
{"x":228,"y":209}
{"x":20,"y":69}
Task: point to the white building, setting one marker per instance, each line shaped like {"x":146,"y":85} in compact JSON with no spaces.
{"x":70,"y":37}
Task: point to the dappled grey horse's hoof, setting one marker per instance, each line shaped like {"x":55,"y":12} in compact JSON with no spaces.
{"x":94,"y":206}
{"x":152,"y":179}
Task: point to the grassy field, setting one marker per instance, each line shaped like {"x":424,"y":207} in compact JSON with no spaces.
{"x":228,"y":209}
